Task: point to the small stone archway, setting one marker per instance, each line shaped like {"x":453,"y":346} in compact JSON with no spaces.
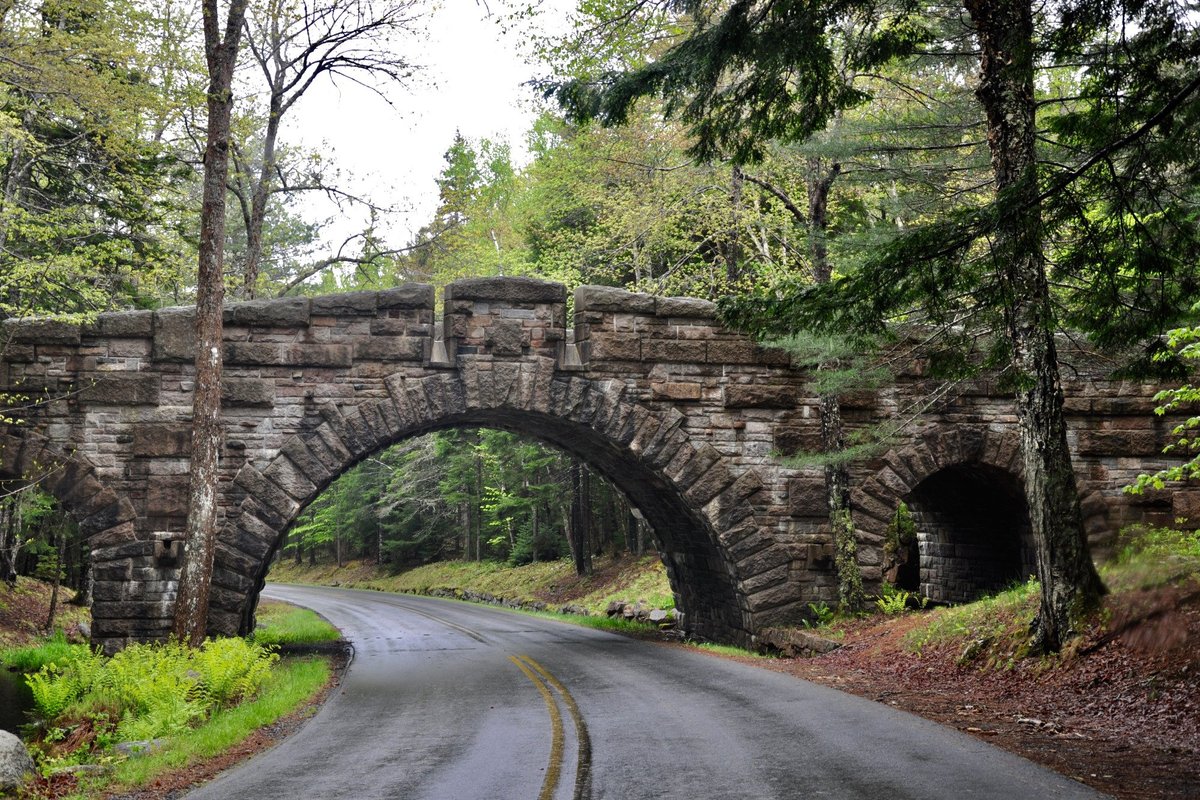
{"x":106,"y":522}
{"x":973,"y":532}
{"x":964,"y":491}
{"x":697,"y":503}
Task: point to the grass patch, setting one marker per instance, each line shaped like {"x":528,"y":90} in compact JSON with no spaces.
{"x":729,"y":650}
{"x":998,"y":624}
{"x":615,"y":624}
{"x":292,"y":683}
{"x":282,"y":623}
{"x":54,"y":650}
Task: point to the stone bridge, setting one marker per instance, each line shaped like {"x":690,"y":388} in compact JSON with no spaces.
{"x":684,"y":416}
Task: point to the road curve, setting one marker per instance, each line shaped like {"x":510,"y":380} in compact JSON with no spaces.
{"x":450,"y":701}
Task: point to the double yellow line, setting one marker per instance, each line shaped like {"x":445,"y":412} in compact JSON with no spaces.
{"x":545,"y":681}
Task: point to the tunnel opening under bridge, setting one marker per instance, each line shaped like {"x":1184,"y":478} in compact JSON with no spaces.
{"x":694,"y":505}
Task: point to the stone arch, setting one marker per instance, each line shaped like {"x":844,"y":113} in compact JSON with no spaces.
{"x":964,"y":488}
{"x":699,"y":504}
{"x":107,"y":523}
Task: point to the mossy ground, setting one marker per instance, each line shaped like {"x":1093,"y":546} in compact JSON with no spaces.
{"x":552,"y":582}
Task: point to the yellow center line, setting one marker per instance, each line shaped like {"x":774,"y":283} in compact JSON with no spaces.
{"x":556,"y":727}
{"x":583,"y":765}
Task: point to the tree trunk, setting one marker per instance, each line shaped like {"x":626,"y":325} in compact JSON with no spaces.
{"x":818,"y":183}
{"x":8,"y":539}
{"x":262,"y":192}
{"x":733,"y":244}
{"x":580,"y":517}
{"x":478,"y":508}
{"x":61,"y":538}
{"x":1070,"y":584}
{"x":191,"y":605}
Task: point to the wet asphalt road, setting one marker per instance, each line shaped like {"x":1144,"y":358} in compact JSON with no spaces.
{"x":449,"y":701}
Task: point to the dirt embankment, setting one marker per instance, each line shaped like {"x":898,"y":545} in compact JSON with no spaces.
{"x":1120,"y":711}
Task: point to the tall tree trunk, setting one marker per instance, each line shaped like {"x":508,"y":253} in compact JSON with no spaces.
{"x":478,"y":507}
{"x":60,"y":552}
{"x":1070,"y":584}
{"x":733,"y":244}
{"x":579,"y":536}
{"x":195,"y":577}
{"x":8,"y":539}
{"x":262,"y":192}
{"x":819,"y":181}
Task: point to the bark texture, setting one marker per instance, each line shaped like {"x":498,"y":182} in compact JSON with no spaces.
{"x":191,"y":604}
{"x":1070,"y":584}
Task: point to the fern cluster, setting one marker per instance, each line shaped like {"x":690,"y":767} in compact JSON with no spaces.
{"x":149,"y":690}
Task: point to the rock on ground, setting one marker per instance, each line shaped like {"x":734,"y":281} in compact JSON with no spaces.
{"x":15,"y":763}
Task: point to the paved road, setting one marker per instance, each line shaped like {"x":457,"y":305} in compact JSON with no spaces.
{"x":449,"y":701}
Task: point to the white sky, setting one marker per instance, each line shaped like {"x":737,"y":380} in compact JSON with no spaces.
{"x":471,"y":83}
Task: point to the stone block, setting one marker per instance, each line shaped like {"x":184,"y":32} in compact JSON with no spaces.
{"x":670,"y":390}
{"x":759,"y":396}
{"x":175,"y":335}
{"x":247,"y":393}
{"x":41,"y":331}
{"x":266,"y":493}
{"x":15,"y":353}
{"x":604,"y":346}
{"x":317,"y":355}
{"x":806,"y":496}
{"x":507,"y":337}
{"x":284,"y":474}
{"x":288,"y":312}
{"x":124,"y":389}
{"x":167,"y":495}
{"x":410,"y":295}
{"x":733,"y":352}
{"x":319,"y":466}
{"x":688,"y":307}
{"x":1185,"y":504}
{"x":675,"y":351}
{"x":506,"y":290}
{"x":1120,"y":443}
{"x":122,"y":325}
{"x":608,"y":298}
{"x":390,"y":348}
{"x":161,"y":439}
{"x":253,"y":354}
{"x":707,"y":486}
{"x":107,"y":516}
{"x":795,"y":439}
{"x":344,"y":305}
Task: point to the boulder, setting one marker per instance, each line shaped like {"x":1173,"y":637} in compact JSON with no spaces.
{"x":792,"y":642}
{"x":15,"y":763}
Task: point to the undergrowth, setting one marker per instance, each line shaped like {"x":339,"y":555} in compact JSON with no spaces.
{"x":998,"y":623}
{"x":1148,"y":557}
{"x":290,"y":684}
{"x":87,"y":702}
